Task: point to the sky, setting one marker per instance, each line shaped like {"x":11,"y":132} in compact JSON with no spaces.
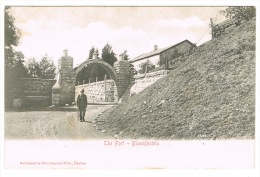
{"x":50,"y":30}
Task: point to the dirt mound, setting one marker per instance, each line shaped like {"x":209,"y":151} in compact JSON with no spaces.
{"x":209,"y":94}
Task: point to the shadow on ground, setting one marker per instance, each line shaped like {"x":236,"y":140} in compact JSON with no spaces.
{"x":51,"y":108}
{"x":40,"y":108}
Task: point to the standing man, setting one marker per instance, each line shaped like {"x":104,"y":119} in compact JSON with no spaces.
{"x":82,"y":103}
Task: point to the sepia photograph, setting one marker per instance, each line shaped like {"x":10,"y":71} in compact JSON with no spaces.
{"x":85,"y":85}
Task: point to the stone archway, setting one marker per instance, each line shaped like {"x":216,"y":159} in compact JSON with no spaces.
{"x":98,"y":91}
{"x":63,"y":92}
{"x":109,"y":69}
{"x":120,"y":74}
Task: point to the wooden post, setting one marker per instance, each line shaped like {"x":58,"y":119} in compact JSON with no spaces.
{"x":89,"y":80}
{"x":96,"y":89}
{"x":105,"y":78}
{"x":83,"y":82}
{"x":78,"y":82}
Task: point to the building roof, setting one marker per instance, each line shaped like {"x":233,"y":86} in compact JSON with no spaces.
{"x":157,"y":52}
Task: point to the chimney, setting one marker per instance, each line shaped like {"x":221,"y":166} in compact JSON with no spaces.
{"x":65,"y":52}
{"x":155,"y":47}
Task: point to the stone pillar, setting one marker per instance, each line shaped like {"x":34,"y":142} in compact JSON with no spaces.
{"x":123,"y":71}
{"x":63,"y":90}
{"x":95,"y":54}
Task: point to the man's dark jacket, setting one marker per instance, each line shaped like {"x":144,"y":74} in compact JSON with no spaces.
{"x":82,"y":101}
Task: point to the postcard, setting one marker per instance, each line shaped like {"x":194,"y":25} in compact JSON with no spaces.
{"x":129,"y":87}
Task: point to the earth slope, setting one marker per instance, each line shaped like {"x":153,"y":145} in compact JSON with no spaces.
{"x":210,"y":94}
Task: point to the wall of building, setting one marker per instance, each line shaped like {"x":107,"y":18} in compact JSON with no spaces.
{"x":34,"y":91}
{"x":169,"y":54}
{"x":153,"y":59}
{"x":102,"y":91}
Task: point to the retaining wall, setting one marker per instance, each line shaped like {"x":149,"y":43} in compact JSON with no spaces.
{"x":34,"y":91}
{"x":140,"y":82}
{"x":102,"y":91}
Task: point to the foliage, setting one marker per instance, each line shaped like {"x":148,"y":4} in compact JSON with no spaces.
{"x":12,"y":34}
{"x":44,"y":69}
{"x":14,"y":67}
{"x":133,"y":70}
{"x":91,"y":73}
{"x":18,"y":69}
{"x":164,"y":62}
{"x":108,"y":54}
{"x":175,"y":54}
{"x":33,"y":68}
{"x":47,"y":68}
{"x":146,"y":67}
{"x":239,"y":13}
{"x":212,"y":27}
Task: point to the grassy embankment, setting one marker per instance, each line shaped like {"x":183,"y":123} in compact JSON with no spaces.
{"x":209,"y":94}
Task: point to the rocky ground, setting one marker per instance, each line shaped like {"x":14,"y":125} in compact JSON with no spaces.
{"x":210,"y":94}
{"x":53,"y":123}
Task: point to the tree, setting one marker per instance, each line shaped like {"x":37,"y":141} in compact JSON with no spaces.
{"x":239,"y":13}
{"x":14,"y":67}
{"x":133,"y":70}
{"x":91,"y":73}
{"x":12,"y":34}
{"x":33,"y":68}
{"x":213,"y":28}
{"x":20,"y":71}
{"x":44,"y":69}
{"x":47,"y":68}
{"x":108,"y":55}
{"x":146,"y":67}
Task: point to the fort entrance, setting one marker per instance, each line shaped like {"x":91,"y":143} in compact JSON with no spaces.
{"x":66,"y":89}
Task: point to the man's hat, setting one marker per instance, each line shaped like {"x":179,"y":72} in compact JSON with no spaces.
{"x":82,"y":90}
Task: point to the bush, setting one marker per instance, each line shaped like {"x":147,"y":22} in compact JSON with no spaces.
{"x":239,"y":13}
{"x":146,"y":67}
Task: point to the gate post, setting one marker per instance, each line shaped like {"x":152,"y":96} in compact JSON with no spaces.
{"x":63,"y":90}
{"x":123,"y":71}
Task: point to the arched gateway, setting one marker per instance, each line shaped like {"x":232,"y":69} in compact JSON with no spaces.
{"x":109,"y":69}
{"x":65,"y":89}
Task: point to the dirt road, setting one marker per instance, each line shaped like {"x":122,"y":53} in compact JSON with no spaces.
{"x":53,"y":123}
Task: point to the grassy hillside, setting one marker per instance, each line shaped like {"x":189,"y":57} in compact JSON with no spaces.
{"x":210,"y":94}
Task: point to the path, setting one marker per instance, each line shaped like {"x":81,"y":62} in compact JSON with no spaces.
{"x":53,"y":124}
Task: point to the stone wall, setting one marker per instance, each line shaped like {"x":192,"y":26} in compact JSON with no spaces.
{"x":140,"y":82}
{"x":34,"y":91}
{"x":102,"y":91}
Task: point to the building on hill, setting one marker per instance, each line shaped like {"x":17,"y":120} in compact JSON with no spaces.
{"x":159,"y":57}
